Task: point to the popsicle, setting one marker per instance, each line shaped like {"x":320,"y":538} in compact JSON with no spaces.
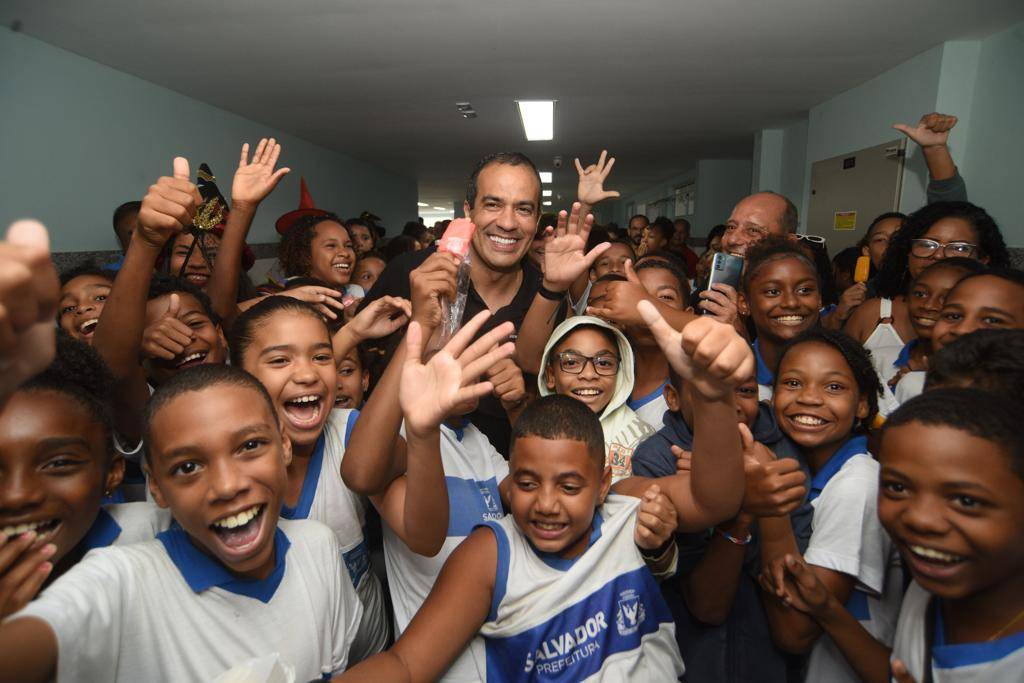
{"x":457,"y":237}
{"x":861,"y":272}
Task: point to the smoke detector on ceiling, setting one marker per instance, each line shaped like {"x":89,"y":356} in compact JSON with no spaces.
{"x":466,"y":110}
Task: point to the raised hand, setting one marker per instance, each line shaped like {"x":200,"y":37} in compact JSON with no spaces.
{"x":774,"y":488}
{"x":168,"y":207}
{"x":29,"y":292}
{"x":590,"y":190}
{"x":380,"y":318}
{"x":656,"y":520}
{"x":24,"y":566}
{"x":168,"y":337}
{"x":564,"y":257}
{"x":851,"y":298}
{"x":709,"y":355}
{"x":619,"y":305}
{"x":931,"y":131}
{"x":326,"y":300}
{"x":430,"y":392}
{"x":256,"y":179}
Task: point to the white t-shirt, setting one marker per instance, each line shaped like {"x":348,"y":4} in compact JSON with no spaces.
{"x":473,"y":469}
{"x":847,"y":537}
{"x":124,"y":523}
{"x":651,"y":408}
{"x":994,"y":661}
{"x":909,"y":386}
{"x":325,"y":498}
{"x":165,"y":611}
{"x":599,"y":617}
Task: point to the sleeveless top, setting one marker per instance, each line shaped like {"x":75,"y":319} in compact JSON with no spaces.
{"x":884,"y":343}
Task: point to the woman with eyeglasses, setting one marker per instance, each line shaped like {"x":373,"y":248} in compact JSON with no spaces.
{"x":592,"y":361}
{"x":934,"y":232}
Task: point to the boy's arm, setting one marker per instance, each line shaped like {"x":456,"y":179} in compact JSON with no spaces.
{"x":712,"y":358}
{"x":709,"y":590}
{"x":564,"y":263}
{"x":28,"y":650}
{"x":932,"y":134}
{"x":251,"y":185}
{"x":376,"y":451}
{"x":458,"y":605}
{"x":621,"y":300}
{"x":167,"y":209}
{"x":414,"y":506}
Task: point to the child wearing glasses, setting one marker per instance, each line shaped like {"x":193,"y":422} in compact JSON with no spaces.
{"x":591,"y":361}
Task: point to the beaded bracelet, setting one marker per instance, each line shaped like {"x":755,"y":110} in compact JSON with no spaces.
{"x":732,"y":539}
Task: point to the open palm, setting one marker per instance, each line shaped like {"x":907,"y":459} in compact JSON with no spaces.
{"x":255,"y":180}
{"x":590,"y":190}
{"x":564,"y":257}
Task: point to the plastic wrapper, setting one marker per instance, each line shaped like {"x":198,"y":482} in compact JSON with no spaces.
{"x":456,"y":240}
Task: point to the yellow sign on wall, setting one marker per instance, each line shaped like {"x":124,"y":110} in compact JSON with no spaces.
{"x":845,"y":220}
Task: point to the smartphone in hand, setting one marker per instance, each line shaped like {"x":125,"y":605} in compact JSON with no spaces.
{"x":725,"y":269}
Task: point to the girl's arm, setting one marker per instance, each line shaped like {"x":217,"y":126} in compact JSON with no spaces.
{"x":458,"y":605}
{"x":28,"y":650}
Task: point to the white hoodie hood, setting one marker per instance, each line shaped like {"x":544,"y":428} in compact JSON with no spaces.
{"x":623,"y":429}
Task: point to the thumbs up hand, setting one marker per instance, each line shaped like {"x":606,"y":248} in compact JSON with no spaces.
{"x":169,"y":206}
{"x":168,"y":337}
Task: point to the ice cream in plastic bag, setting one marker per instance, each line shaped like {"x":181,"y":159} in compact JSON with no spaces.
{"x":863,"y":269}
{"x":456,"y":240}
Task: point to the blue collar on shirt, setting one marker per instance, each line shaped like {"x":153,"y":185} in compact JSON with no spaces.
{"x":102,"y":533}
{"x":903,"y":359}
{"x":644,"y":400}
{"x":460,"y":431}
{"x":564,"y":564}
{"x":316,"y":463}
{"x":202,"y":572}
{"x":853,"y":446}
{"x":764,"y":375}
{"x":951,"y":656}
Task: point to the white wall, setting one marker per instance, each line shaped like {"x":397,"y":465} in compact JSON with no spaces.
{"x":78,"y":138}
{"x":720,"y":184}
{"x":780,"y":155}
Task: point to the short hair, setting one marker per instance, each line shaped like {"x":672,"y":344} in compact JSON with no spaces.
{"x":557,"y":417}
{"x":684,"y":222}
{"x":505,"y":159}
{"x":775,"y":248}
{"x":666,"y":227}
{"x":612,"y":277}
{"x":894,"y":276}
{"x":981,"y":414}
{"x":120,"y":212}
{"x":243,"y":330}
{"x":416,"y":230}
{"x":1011,"y":275}
{"x":717,"y":231}
{"x":647,"y":220}
{"x":673,"y":268}
{"x":351,"y":222}
{"x":985,"y":359}
{"x":196,"y":379}
{"x":87,"y":268}
{"x":398,"y":245}
{"x":78,"y":372}
{"x":967,"y":266}
{"x":294,"y":250}
{"x":162,"y":285}
{"x":855,"y":355}
{"x":878,"y":219}
{"x":616,"y":240}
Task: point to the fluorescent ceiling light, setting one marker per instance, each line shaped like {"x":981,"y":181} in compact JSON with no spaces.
{"x":547,"y":203}
{"x":538,"y":119}
{"x":545,"y":177}
{"x":440,"y":208}
{"x":546,"y":193}
{"x":422,"y":204}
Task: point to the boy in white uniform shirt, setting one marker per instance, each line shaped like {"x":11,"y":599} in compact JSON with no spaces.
{"x":229,"y":584}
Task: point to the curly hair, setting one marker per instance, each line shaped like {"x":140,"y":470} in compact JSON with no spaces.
{"x":243,"y":330}
{"x":984,"y":359}
{"x":295,"y":249}
{"x":87,"y":268}
{"x":775,"y":248}
{"x":857,"y":358}
{"x":894,"y":276}
{"x":79,"y":373}
{"x":672,"y":266}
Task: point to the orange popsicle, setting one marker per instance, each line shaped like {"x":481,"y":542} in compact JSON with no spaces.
{"x":456,"y":238}
{"x":861,"y":272}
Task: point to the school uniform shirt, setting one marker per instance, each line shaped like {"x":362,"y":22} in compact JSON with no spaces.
{"x":847,"y":537}
{"x":623,"y":428}
{"x":166,"y":611}
{"x":765,"y":375}
{"x":326,"y":499}
{"x":472,"y":471}
{"x":598,"y":617}
{"x":994,"y":661}
{"x":651,"y":408}
{"x":124,"y":523}
{"x":909,"y":385}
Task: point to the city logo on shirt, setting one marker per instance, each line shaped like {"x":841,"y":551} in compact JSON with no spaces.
{"x":492,"y":505}
{"x":557,"y":654}
{"x":630,"y":614}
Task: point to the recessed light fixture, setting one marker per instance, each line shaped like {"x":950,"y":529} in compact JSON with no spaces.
{"x":545,"y":177}
{"x":546,"y":193}
{"x":546,"y":203}
{"x":538,"y":118}
{"x":466,"y":110}
{"x":422,"y":204}
{"x":440,"y":208}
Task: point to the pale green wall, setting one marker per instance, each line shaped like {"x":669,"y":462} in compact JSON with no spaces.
{"x":616,"y":211}
{"x":78,"y":138}
{"x":720,"y":184}
{"x":780,"y":155}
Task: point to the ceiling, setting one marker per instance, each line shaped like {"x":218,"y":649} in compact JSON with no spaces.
{"x":660,"y":83}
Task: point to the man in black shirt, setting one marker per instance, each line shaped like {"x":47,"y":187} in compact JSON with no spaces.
{"x":503,"y":201}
